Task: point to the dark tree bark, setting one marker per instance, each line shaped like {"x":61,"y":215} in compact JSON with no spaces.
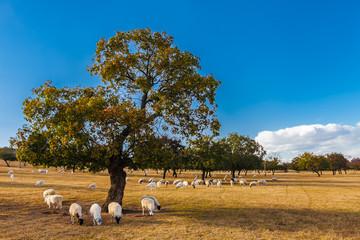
{"x":118,"y":182}
{"x":206,"y":175}
{"x":315,"y":170}
{"x":164,"y":174}
{"x":7,"y":163}
{"x":233,"y":173}
{"x":246,"y":172}
{"x":239,"y":172}
{"x":334,"y":171}
{"x":174,"y":173}
{"x":203,"y":174}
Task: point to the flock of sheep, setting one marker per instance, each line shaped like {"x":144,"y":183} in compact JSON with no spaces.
{"x":55,"y":201}
{"x":147,"y":202}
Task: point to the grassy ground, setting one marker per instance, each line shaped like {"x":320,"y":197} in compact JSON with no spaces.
{"x":299,"y":206}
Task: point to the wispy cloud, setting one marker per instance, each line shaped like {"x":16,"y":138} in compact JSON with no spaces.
{"x":316,"y":138}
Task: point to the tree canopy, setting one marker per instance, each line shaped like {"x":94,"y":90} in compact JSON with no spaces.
{"x":150,"y":86}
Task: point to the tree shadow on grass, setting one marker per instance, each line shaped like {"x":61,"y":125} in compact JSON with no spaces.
{"x":289,"y":220}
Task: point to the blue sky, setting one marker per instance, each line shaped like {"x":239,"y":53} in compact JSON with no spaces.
{"x":282,"y":64}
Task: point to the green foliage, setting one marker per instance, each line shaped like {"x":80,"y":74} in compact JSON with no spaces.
{"x":7,"y":154}
{"x":149,"y":84}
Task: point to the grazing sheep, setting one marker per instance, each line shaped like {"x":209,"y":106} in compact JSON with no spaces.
{"x":157,"y":204}
{"x":95,"y":212}
{"x":142,"y":180}
{"x":54,"y":201}
{"x":219,"y":183}
{"x":194,"y":183}
{"x":163,"y":181}
{"x":93,"y":185}
{"x":158,"y":183}
{"x":262,"y":182}
{"x":40,"y":183}
{"x":186,"y":184}
{"x":179,"y":185}
{"x":127,"y":179}
{"x":167,"y":183}
{"x":201,"y":182}
{"x":10,"y":172}
{"x":49,"y":192}
{"x":12,"y":177}
{"x":151,"y":185}
{"x":254,"y":176}
{"x":41,"y":171}
{"x":149,"y":204}
{"x":152,"y":180}
{"x":274,"y":179}
{"x":243,"y":182}
{"x":75,"y":211}
{"x":176,"y":181}
{"x":207,"y":183}
{"x":213,"y":182}
{"x":115,"y":210}
{"x":253,"y":183}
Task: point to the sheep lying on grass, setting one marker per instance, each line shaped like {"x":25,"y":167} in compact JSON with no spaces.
{"x":75,"y":211}
{"x":95,"y":212}
{"x":151,"y":186}
{"x":54,"y":201}
{"x":115,"y":210}
{"x":40,"y":183}
{"x":93,"y":185}
{"x":149,"y":203}
{"x":262,"y":182}
{"x":141,"y":180}
{"x":48,"y":192}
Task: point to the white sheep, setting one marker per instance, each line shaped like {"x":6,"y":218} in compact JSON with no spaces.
{"x":12,"y":177}
{"x":176,"y":182}
{"x":41,"y":171}
{"x":152,"y":180}
{"x":95,"y":212}
{"x":141,"y":180}
{"x":232,"y":182}
{"x":158,"y":183}
{"x":243,"y":182}
{"x":167,"y":183}
{"x":75,"y":211}
{"x":40,"y":183}
{"x":201,"y":182}
{"x":213,"y":182}
{"x":179,"y":185}
{"x":151,"y":185}
{"x":254,"y":176}
{"x":253,"y":183}
{"x":207,"y":183}
{"x":163,"y":181}
{"x":10,"y":172}
{"x":196,"y":177}
{"x":149,"y":203}
{"x":219,"y":183}
{"x":93,"y":185}
{"x":54,"y":201}
{"x":194,"y":183}
{"x":274,"y":179}
{"x":262,"y":182}
{"x":115,"y":210}
{"x":186,"y":184}
{"x":127,"y":179}
{"x":48,"y":192}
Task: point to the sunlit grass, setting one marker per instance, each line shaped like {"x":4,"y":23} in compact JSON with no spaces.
{"x":299,"y":206}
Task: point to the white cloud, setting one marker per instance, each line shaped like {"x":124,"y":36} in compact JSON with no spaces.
{"x":317,"y":138}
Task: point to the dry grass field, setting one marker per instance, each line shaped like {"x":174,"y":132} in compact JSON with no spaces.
{"x":299,"y":206}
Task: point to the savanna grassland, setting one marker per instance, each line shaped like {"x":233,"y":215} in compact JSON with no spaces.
{"x":299,"y":206}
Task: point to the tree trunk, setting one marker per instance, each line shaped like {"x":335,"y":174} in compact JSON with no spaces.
{"x":233,"y":173}
{"x":174,"y":173}
{"x":334,"y":171}
{"x":273,"y":172}
{"x":209,"y":173}
{"x":118,"y":182}
{"x":314,"y":170}
{"x":345,"y":171}
{"x":246,"y":172}
{"x":203,"y":175}
{"x":7,"y":163}
{"x":164,"y":173}
{"x":239,"y":172}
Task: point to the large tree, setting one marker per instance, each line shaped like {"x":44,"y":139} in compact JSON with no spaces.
{"x":7,"y":154}
{"x":149,"y":86}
